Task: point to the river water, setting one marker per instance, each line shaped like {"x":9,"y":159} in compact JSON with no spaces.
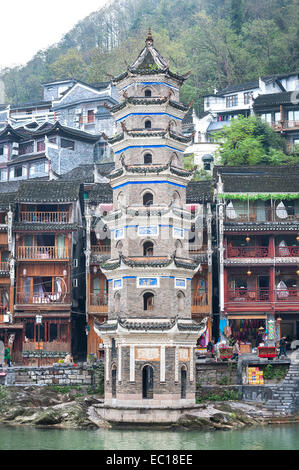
{"x":278,"y":437}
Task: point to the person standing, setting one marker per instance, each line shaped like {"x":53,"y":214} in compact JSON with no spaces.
{"x":236,"y":350}
{"x":282,"y":347}
{"x":7,"y":356}
{"x":211,"y":348}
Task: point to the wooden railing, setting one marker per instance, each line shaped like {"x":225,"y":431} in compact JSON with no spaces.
{"x":101,"y":249}
{"x":42,"y":253}
{"x":287,"y":295}
{"x":260,"y":251}
{"x":285,"y":125}
{"x":287,"y":251}
{"x":45,"y":217}
{"x":247,"y":252}
{"x":246,"y":295}
{"x":98,"y":299}
{"x":22,"y":298}
{"x":4,"y":267}
{"x":262,"y":295}
{"x":269,"y":215}
{"x":200,"y":300}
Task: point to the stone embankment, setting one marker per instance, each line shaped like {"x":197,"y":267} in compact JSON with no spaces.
{"x":77,"y":407}
{"x":72,"y":397}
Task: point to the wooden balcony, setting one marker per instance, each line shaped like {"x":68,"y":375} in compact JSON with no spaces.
{"x":285,"y":125}
{"x":45,"y":217}
{"x":47,"y":298}
{"x":287,"y":295}
{"x":98,"y":303}
{"x":287,"y":251}
{"x":247,"y":252}
{"x":243,"y":295}
{"x":269,"y":215}
{"x":261,"y":252}
{"x":200,"y":303}
{"x":44,"y":253}
{"x":4,"y":267}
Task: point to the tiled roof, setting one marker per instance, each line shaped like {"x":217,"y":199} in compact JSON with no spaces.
{"x":22,"y":133}
{"x":199,"y":192}
{"x":239,"y":87}
{"x":248,"y":179}
{"x":101,"y":192}
{"x":85,"y":173}
{"x":48,"y":191}
{"x":6,"y":199}
{"x":273,"y":99}
{"x":36,"y":227}
{"x":9,"y":186}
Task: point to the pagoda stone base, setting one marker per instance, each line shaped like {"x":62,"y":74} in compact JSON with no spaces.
{"x":160,"y":415}
{"x":169,"y":400}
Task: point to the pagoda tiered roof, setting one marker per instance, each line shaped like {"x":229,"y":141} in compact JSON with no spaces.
{"x":150,"y":62}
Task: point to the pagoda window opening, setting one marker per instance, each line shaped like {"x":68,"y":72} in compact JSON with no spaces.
{"x":181,"y":302}
{"x":148,"y":301}
{"x":113,"y":347}
{"x":148,"y":199}
{"x":148,"y":159}
{"x":148,"y":249}
{"x":179,"y":248}
{"x":117,"y":302}
{"x":148,"y":93}
{"x":148,"y":124}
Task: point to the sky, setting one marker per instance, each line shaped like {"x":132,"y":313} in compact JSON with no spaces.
{"x":28,"y":26}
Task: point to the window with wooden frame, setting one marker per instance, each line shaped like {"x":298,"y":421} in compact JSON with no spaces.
{"x":231,"y":101}
{"x":248,"y":97}
{"x":27,"y":147}
{"x":90,"y":116}
{"x":40,"y":146}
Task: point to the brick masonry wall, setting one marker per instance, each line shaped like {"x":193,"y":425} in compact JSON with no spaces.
{"x":166,"y":300}
{"x":56,"y":375}
{"x":134,"y":389}
{"x":216,"y":374}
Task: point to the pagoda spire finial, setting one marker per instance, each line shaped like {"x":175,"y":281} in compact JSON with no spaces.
{"x":149,"y":40}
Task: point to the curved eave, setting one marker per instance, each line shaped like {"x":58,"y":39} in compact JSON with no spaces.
{"x":124,"y":141}
{"x":145,"y":104}
{"x":169,"y":263}
{"x":172,"y":327}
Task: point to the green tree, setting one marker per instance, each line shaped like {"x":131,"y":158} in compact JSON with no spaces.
{"x":69,"y":65}
{"x":249,"y":141}
{"x":236,"y":15}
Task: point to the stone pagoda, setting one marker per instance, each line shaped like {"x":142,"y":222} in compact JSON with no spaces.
{"x":149,"y":338}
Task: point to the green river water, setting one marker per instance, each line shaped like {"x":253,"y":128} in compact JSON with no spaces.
{"x":278,"y":437}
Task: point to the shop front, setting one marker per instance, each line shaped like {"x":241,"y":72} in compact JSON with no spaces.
{"x":250,"y":330}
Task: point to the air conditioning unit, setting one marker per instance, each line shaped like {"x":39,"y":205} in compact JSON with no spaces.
{"x":7,"y":318}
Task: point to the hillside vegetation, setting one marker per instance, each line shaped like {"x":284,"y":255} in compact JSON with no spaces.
{"x":221,"y":41}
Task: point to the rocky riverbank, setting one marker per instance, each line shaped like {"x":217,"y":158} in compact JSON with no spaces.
{"x":74,"y":407}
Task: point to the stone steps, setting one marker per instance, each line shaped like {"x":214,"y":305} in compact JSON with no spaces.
{"x":285,"y":398}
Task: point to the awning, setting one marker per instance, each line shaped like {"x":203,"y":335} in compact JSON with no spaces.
{"x":247,"y":317}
